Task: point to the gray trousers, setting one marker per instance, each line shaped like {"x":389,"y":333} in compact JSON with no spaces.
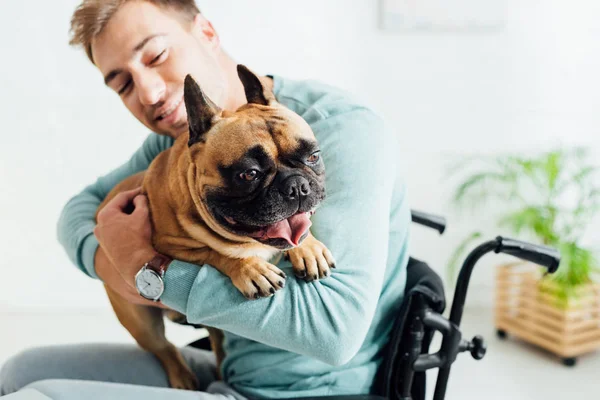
{"x":105,"y":371}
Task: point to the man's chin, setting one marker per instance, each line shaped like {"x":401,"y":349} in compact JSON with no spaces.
{"x":173,"y":131}
{"x":176,"y":132}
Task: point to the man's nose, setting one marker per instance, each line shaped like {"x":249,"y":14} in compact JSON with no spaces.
{"x":151,"y":88}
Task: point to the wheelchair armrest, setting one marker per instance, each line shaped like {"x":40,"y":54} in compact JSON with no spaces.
{"x":432,"y":221}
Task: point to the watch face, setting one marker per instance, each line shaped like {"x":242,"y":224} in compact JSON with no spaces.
{"x":149,"y":284}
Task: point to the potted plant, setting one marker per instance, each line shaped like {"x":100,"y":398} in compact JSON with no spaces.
{"x":551,"y":198}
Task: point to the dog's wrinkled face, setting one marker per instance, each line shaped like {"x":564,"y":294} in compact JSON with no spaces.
{"x":259,"y":171}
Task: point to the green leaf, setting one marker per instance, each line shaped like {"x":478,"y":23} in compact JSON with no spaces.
{"x":533,"y":219}
{"x":478,"y":188}
{"x":552,"y":165}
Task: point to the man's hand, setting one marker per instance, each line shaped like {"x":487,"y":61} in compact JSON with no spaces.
{"x":125,"y":244}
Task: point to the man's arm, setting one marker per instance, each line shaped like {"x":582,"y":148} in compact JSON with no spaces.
{"x":328,"y":319}
{"x":76,"y":223}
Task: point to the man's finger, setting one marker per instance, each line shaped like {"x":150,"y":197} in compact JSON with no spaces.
{"x":141,"y":205}
{"x":123,"y":199}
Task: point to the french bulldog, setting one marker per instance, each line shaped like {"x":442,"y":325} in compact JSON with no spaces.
{"x":235,"y":191}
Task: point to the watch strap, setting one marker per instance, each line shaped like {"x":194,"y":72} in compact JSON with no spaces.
{"x":159,"y":264}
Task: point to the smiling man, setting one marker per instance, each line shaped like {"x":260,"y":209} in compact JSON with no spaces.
{"x":311,"y":338}
{"x":144,"y":51}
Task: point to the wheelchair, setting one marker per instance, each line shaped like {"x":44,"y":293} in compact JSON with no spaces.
{"x":406,"y":358}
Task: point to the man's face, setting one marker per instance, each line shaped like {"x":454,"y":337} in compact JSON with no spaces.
{"x":144,"y":54}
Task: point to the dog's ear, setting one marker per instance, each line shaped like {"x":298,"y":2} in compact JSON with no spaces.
{"x":255,"y":91}
{"x":201,"y":111}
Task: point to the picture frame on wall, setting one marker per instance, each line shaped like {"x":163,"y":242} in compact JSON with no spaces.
{"x":469,"y":16}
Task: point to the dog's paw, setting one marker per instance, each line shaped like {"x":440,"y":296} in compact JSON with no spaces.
{"x":183,"y":378}
{"x":311,"y":260}
{"x":178,"y":372}
{"x":256,"y":278}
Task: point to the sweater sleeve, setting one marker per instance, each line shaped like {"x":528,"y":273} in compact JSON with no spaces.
{"x":328,"y":319}
{"x":76,"y":222}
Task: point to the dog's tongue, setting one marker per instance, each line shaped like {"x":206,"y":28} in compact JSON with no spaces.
{"x":290,"y":229}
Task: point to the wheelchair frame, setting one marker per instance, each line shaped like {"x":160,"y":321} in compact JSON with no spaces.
{"x":408,"y":353}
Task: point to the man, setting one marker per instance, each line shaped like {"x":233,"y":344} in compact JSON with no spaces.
{"x":310,"y":339}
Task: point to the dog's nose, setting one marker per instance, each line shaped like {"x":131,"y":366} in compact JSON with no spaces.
{"x":295,"y":186}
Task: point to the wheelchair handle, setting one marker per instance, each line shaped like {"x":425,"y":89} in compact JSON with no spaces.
{"x":430,"y":220}
{"x":542,"y":255}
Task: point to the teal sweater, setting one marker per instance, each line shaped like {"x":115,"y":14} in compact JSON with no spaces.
{"x":309,"y":339}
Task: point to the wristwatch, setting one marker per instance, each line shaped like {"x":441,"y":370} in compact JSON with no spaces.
{"x":149,"y":280}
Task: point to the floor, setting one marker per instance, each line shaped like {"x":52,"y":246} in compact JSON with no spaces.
{"x":510,"y":370}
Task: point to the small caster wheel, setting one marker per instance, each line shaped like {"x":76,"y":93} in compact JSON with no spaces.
{"x":569,"y":361}
{"x":501,"y":334}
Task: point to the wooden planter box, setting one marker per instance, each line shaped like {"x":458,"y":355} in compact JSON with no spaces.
{"x":529,"y":309}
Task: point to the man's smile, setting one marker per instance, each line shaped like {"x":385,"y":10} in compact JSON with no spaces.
{"x":167,"y":109}
{"x":170,"y":113}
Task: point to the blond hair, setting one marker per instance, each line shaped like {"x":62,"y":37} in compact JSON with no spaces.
{"x":90,"y":18}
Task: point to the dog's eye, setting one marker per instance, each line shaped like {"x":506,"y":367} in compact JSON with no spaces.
{"x":249,"y":175}
{"x":314,"y":157}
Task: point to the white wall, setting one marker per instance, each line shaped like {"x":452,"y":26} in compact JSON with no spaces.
{"x":532,"y":86}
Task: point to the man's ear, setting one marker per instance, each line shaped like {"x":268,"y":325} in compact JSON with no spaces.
{"x":205,"y":30}
{"x":253,"y":87}
{"x":201,"y":111}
